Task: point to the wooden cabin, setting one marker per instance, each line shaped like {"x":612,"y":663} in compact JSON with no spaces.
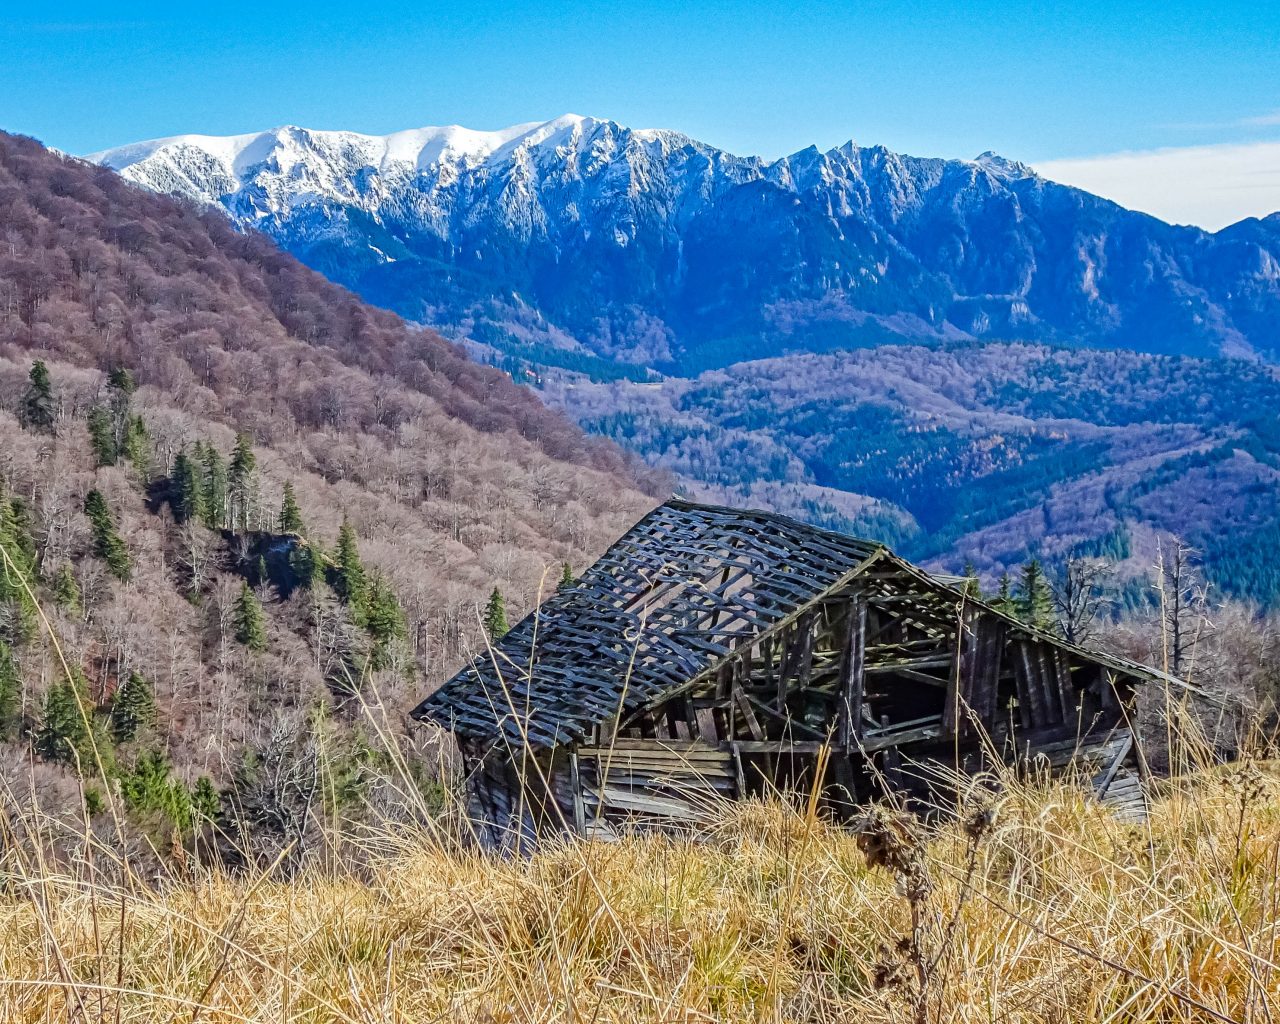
{"x":711,"y":653}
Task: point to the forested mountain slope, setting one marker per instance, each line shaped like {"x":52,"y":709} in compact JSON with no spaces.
{"x":649,"y":246}
{"x":986,"y":453}
{"x":188,"y":417}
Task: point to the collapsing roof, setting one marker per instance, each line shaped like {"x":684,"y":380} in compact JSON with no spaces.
{"x":668,"y":605}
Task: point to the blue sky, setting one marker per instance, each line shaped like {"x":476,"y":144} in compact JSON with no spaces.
{"x":1039,"y":82}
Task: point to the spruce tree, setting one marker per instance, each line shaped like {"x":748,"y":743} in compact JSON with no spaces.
{"x":133,"y":708}
{"x":68,"y":731}
{"x":186,"y":490}
{"x":1034,"y":600}
{"x":567,"y":582}
{"x":66,"y":590}
{"x":39,"y":410}
{"x":205,"y":801}
{"x":107,"y":544}
{"x":307,"y":565}
{"x":10,"y":695}
{"x":17,"y":573}
{"x":250,"y":622}
{"x":971,"y":584}
{"x":384,"y":620}
{"x":120,"y":389}
{"x":1003,"y":601}
{"x":290,"y":513}
{"x":137,"y":447}
{"x":495,"y":616}
{"x":350,"y":581}
{"x":215,"y":488}
{"x":240,"y":483}
{"x":102,"y":437}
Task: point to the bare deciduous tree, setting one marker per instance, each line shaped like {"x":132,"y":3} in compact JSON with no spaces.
{"x":1079,"y":596}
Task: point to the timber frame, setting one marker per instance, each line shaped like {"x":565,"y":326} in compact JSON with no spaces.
{"x":711,"y":653}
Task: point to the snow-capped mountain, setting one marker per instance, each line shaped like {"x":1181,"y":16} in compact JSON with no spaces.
{"x":650,"y":246}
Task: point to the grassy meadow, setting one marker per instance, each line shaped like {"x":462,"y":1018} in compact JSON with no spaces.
{"x":1032,"y":904}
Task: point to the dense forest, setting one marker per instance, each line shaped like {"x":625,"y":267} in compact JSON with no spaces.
{"x":985,"y":453}
{"x":237,"y":504}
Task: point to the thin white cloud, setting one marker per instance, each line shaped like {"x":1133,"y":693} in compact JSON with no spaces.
{"x":1210,"y":186}
{"x":1264,"y":121}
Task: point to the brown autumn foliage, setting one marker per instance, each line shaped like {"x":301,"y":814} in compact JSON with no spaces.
{"x":455,"y":479}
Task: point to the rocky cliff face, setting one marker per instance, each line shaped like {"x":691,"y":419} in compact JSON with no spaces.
{"x":649,"y":246}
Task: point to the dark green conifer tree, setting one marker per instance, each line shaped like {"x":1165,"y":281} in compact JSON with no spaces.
{"x":1003,"y":601}
{"x":102,"y":436}
{"x":137,"y":447}
{"x":186,"y":489}
{"x":385,"y":621}
{"x":350,"y":581}
{"x":39,"y":409}
{"x":205,"y":801}
{"x":215,"y":488}
{"x":133,"y":708}
{"x":567,"y":582}
{"x":250,"y":622}
{"x":17,"y":573}
{"x":10,"y":695}
{"x":290,"y":513}
{"x":1034,"y":599}
{"x":240,"y":483}
{"x":107,"y":544}
{"x":66,"y":590}
{"x":495,"y":616}
{"x":69,"y":732}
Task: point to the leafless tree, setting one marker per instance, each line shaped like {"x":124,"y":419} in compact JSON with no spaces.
{"x":1079,"y":596}
{"x":1183,"y":603}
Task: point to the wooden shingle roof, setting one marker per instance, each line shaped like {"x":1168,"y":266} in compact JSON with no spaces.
{"x":662,"y":608}
{"x":669,"y":601}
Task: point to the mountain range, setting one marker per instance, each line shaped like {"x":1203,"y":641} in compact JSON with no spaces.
{"x":651,"y":247}
{"x":962,"y":358}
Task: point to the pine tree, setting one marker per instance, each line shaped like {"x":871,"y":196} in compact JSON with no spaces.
{"x":290,"y":513}
{"x":350,"y":581}
{"x":137,"y":447}
{"x":307,"y":565}
{"x":10,"y":695}
{"x":215,"y":488}
{"x":39,"y":410}
{"x":133,"y":709}
{"x":102,"y":437}
{"x":384,"y":620}
{"x":1034,"y":600}
{"x":250,"y":622}
{"x":1003,"y":601}
{"x":240,"y":483}
{"x":495,"y":616}
{"x":107,"y":544}
{"x":120,"y":389}
{"x":567,"y":582}
{"x":66,"y":590}
{"x":205,"y":801}
{"x":69,"y":732}
{"x":186,"y":490}
{"x":17,"y":573}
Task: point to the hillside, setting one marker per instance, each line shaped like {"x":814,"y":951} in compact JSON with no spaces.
{"x":651,"y":247}
{"x":987,"y":453}
{"x":143,"y":521}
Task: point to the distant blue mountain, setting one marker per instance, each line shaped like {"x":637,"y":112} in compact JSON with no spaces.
{"x":649,"y":247}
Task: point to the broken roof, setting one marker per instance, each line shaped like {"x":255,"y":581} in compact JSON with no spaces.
{"x":666,"y":605}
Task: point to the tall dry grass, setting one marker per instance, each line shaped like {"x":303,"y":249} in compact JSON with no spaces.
{"x":1036,"y":905}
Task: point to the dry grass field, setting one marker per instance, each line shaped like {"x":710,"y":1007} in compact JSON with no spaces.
{"x":1033,"y":904}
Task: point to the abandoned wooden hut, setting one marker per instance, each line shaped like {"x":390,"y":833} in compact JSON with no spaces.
{"x":713,"y":653}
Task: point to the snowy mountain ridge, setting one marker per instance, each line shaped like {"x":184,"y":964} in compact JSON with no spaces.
{"x":649,"y":246}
